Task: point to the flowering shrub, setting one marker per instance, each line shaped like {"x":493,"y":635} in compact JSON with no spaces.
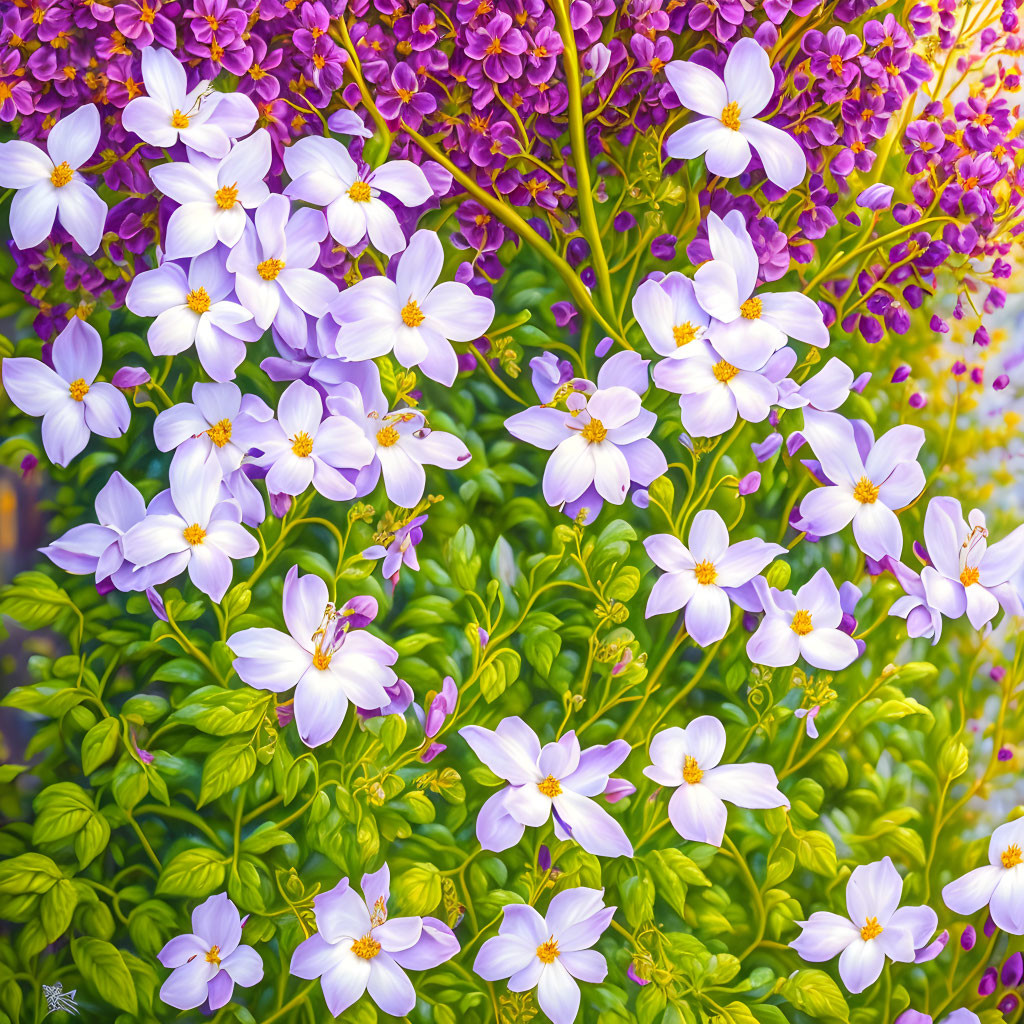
{"x":398,"y":648}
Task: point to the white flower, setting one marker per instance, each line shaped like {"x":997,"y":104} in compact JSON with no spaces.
{"x":729,"y":127}
{"x":49,"y":185}
{"x":1000,"y":883}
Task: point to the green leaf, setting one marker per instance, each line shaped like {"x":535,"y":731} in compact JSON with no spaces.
{"x":815,"y":850}
{"x":817,"y":995}
{"x":196,"y":873}
{"x":105,"y":971}
{"x":28,"y":873}
{"x":100,"y":744}
{"x":500,"y":673}
{"x":227,"y":767}
{"x":56,"y":908}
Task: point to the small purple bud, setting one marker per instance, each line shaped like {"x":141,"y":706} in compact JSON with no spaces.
{"x":156,"y":604}
{"x":978,"y":375}
{"x":917,"y":400}
{"x":1008,"y":1004}
{"x":28,"y":464}
{"x":861,"y":382}
{"x":988,"y":983}
{"x":876,"y":197}
{"x":1013,"y":971}
{"x":1005,"y":754}
{"x":901,"y":374}
{"x":750,"y":483}
{"x":982,"y":338}
{"x":279,"y":504}
{"x":485,"y":637}
{"x":938,"y":325}
{"x":968,"y":938}
{"x":764,"y":450}
{"x":624,"y":221}
{"x":105,"y":586}
{"x":144,"y":756}
{"x":602,"y":347}
{"x":564,"y":313}
{"x":618,"y":789}
{"x":1000,"y":382}
{"x":750,"y":621}
{"x":997,"y":673}
{"x":633,"y":976}
{"x":959,"y":369}
{"x":544,"y":858}
{"x":285,"y":713}
{"x":130,"y":377}
{"x":990,"y":927}
{"x":432,"y":751}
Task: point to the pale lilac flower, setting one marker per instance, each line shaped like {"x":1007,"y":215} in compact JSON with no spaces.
{"x":442,"y":705}
{"x":874,"y":930}
{"x":208,"y":963}
{"x":966,"y":573}
{"x":923,"y":619}
{"x":326,"y":655}
{"x":998,"y":884}
{"x":194,"y":309}
{"x":325,"y":175}
{"x":399,"y":550}
{"x":827,"y":389}
{"x":747,"y":328}
{"x":271,"y":264}
{"x":213,"y":195}
{"x":412,"y":316}
{"x":71,"y":401}
{"x":300,"y":447}
{"x":729,"y":127}
{"x":669,"y":315}
{"x":49,"y":186}
{"x":809,"y":715}
{"x":867,"y":484}
{"x":97,"y":548}
{"x":357,"y":948}
{"x":190,"y":526}
{"x":706,"y":575}
{"x":876,"y":197}
{"x":802,"y":625}
{"x":961,"y":1016}
{"x":549,"y":953}
{"x":689,"y":760}
{"x":558,"y":780}
{"x":205,"y":120}
{"x":401,"y":443}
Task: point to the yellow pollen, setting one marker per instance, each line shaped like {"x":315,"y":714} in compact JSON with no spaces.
{"x":387,"y":436}
{"x":359,"y":192}
{"x":550,"y":786}
{"x":179,"y":120}
{"x":412,"y":315}
{"x":78,"y":389}
{"x":723,"y":371}
{"x":198,"y":300}
{"x":683,"y":334}
{"x":835,"y":62}
{"x":801,"y":624}
{"x":594,"y":432}
{"x":269,"y":269}
{"x":865,"y":492}
{"x":731,"y":117}
{"x":404,"y":95}
{"x":62,"y":175}
{"x":692,"y":774}
{"x":220,"y":433}
{"x":194,"y":534}
{"x":1012,"y":856}
{"x":213,"y":957}
{"x":547,"y":952}
{"x":705,"y":572}
{"x":226,"y":197}
{"x":493,"y":48}
{"x":871,"y":930}
{"x":969,"y":575}
{"x":302,"y":444}
{"x":321,"y":660}
{"x":751,"y":309}
{"x":366,"y":948}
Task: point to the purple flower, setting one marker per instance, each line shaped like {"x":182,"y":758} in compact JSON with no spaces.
{"x":669,"y":315}
{"x":498,"y":45}
{"x":440,"y":707}
{"x":998,"y":884}
{"x":399,"y":549}
{"x":749,"y":484}
{"x":556,"y":781}
{"x":68,"y":397}
{"x":809,"y":715}
{"x":876,"y":197}
{"x":357,"y":948}
{"x":325,"y":655}
{"x":208,"y":963}
{"x":923,"y":619}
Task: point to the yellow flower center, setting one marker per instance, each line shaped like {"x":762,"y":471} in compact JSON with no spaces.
{"x":1012,"y":856}
{"x":723,"y":371}
{"x":366,"y":948}
{"x":731,"y":117}
{"x":227,"y":196}
{"x":269,"y":269}
{"x":692,"y":774}
{"x":550,"y":786}
{"x":387,"y":436}
{"x":78,"y":389}
{"x":705,"y":572}
{"x":865,"y":492}
{"x":62,"y":175}
{"x":594,"y":432}
{"x":179,"y":120}
{"x":359,"y":192}
{"x":871,"y":930}
{"x":220,"y":433}
{"x":321,"y":659}
{"x":969,"y":575}
{"x":194,"y":534}
{"x":835,"y":62}
{"x":412,"y":315}
{"x":198,"y":300}
{"x":751,"y":309}
{"x":213,"y":957}
{"x":683,"y":334}
{"x":801,"y":624}
{"x":494,"y":50}
{"x":302,"y":444}
{"x":547,"y":952}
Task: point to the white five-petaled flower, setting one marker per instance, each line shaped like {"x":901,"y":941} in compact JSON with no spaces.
{"x":868,"y":481}
{"x":689,"y":759}
{"x":48,"y":183}
{"x":874,"y":930}
{"x":703,"y":577}
{"x":729,"y":127}
{"x":999,"y":883}
{"x":203,"y":119}
{"x":670,"y":316}
{"x":325,"y":175}
{"x":213,"y":195}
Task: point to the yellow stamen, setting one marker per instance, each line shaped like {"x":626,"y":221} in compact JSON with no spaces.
{"x":220,"y":433}
{"x":387,"y":436}
{"x":865,"y":492}
{"x":194,"y":534}
{"x":723,"y":371}
{"x":321,"y":659}
{"x":359,"y":192}
{"x":198,"y":300}
{"x":705,"y":572}
{"x":692,"y":774}
{"x":751,"y":309}
{"x":78,"y":389}
{"x":179,"y":120}
{"x":366,"y":948}
{"x":731,"y":117}
{"x":412,"y":315}
{"x":594,"y":432}
{"x":227,"y":196}
{"x":302,"y":444}
{"x":871,"y":930}
{"x":1012,"y":856}
{"x":547,"y":952}
{"x":269,"y":269}
{"x":213,"y":957}
{"x":970,"y":575}
{"x":62,"y":175}
{"x":683,"y":334}
{"x":801,"y":624}
{"x":550,"y":786}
